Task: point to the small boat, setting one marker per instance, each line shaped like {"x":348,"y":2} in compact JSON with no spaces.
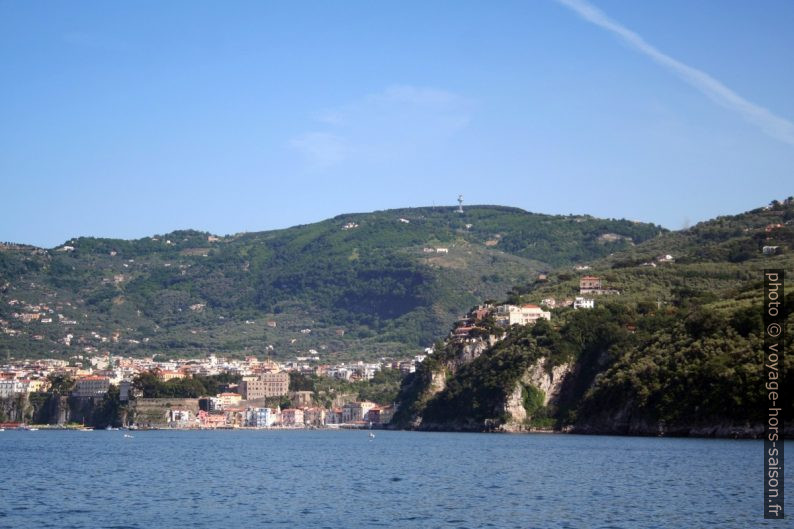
{"x":2,"y":429}
{"x":371,"y":435}
{"x":33,"y":429}
{"x":128,"y":436}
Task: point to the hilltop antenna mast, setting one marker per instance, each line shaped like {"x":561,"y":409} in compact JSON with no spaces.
{"x":460,"y":203}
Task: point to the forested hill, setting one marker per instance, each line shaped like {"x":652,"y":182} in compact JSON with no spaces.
{"x":673,"y":346}
{"x":357,"y":284}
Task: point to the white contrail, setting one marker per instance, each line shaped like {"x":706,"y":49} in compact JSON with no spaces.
{"x":775,"y":126}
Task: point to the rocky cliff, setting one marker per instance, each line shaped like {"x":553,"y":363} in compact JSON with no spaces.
{"x":543,"y":380}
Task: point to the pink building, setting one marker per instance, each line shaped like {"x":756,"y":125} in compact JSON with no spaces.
{"x":292,"y":417}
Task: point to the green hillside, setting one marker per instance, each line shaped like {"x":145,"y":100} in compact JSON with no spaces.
{"x":678,"y":351}
{"x":355,"y":285}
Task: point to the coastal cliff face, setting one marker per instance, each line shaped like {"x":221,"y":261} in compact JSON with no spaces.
{"x":546,"y":381}
{"x":627,"y":421}
{"x":481,"y":385}
{"x":39,"y":408}
{"x":431,"y":378}
{"x":685,"y":372}
{"x":15,"y":409}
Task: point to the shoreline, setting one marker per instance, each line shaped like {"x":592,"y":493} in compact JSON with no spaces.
{"x":44,"y":427}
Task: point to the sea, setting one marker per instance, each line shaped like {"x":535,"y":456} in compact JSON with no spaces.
{"x":350,"y":479}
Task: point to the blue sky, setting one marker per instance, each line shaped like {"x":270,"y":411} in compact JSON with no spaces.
{"x":131,"y":119}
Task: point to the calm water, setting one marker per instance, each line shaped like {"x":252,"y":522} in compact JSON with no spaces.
{"x":342,"y":479}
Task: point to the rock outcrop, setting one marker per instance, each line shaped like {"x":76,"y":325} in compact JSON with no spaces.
{"x":543,"y":377}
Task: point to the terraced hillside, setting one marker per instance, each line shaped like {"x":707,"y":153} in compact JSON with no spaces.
{"x":358,"y":284}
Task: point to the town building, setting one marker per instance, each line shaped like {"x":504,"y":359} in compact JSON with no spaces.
{"x":179,"y":416}
{"x":314,"y":416}
{"x":91,"y":386}
{"x":260,"y":417}
{"x":292,"y":417}
{"x":124,"y":390}
{"x":229,"y":400}
{"x":11,"y":388}
{"x":211,"y":420}
{"x":266,"y":385}
{"x":356,"y":411}
{"x":333,"y":416}
{"x":166,"y":374}
{"x":301,"y":399}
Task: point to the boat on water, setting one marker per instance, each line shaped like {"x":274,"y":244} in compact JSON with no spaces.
{"x":128,"y":436}
{"x":371,"y":435}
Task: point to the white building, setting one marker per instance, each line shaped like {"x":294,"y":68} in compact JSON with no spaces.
{"x":583,"y":303}
{"x":261,"y":417}
{"x":549,"y":302}
{"x":179,"y":416}
{"x":11,"y":388}
{"x":524,"y":315}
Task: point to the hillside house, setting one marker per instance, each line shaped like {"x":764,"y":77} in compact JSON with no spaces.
{"x":463,"y":331}
{"x":524,"y":315}
{"x":589,"y":284}
{"x":594,"y":285}
{"x":770,"y":250}
{"x":583,"y":303}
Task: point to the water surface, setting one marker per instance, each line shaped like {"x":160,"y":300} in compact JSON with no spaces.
{"x":344,"y":479}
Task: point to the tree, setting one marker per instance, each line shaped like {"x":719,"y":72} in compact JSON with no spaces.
{"x":60,"y":384}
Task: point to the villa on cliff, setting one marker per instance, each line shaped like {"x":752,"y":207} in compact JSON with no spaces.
{"x":520,"y":315}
